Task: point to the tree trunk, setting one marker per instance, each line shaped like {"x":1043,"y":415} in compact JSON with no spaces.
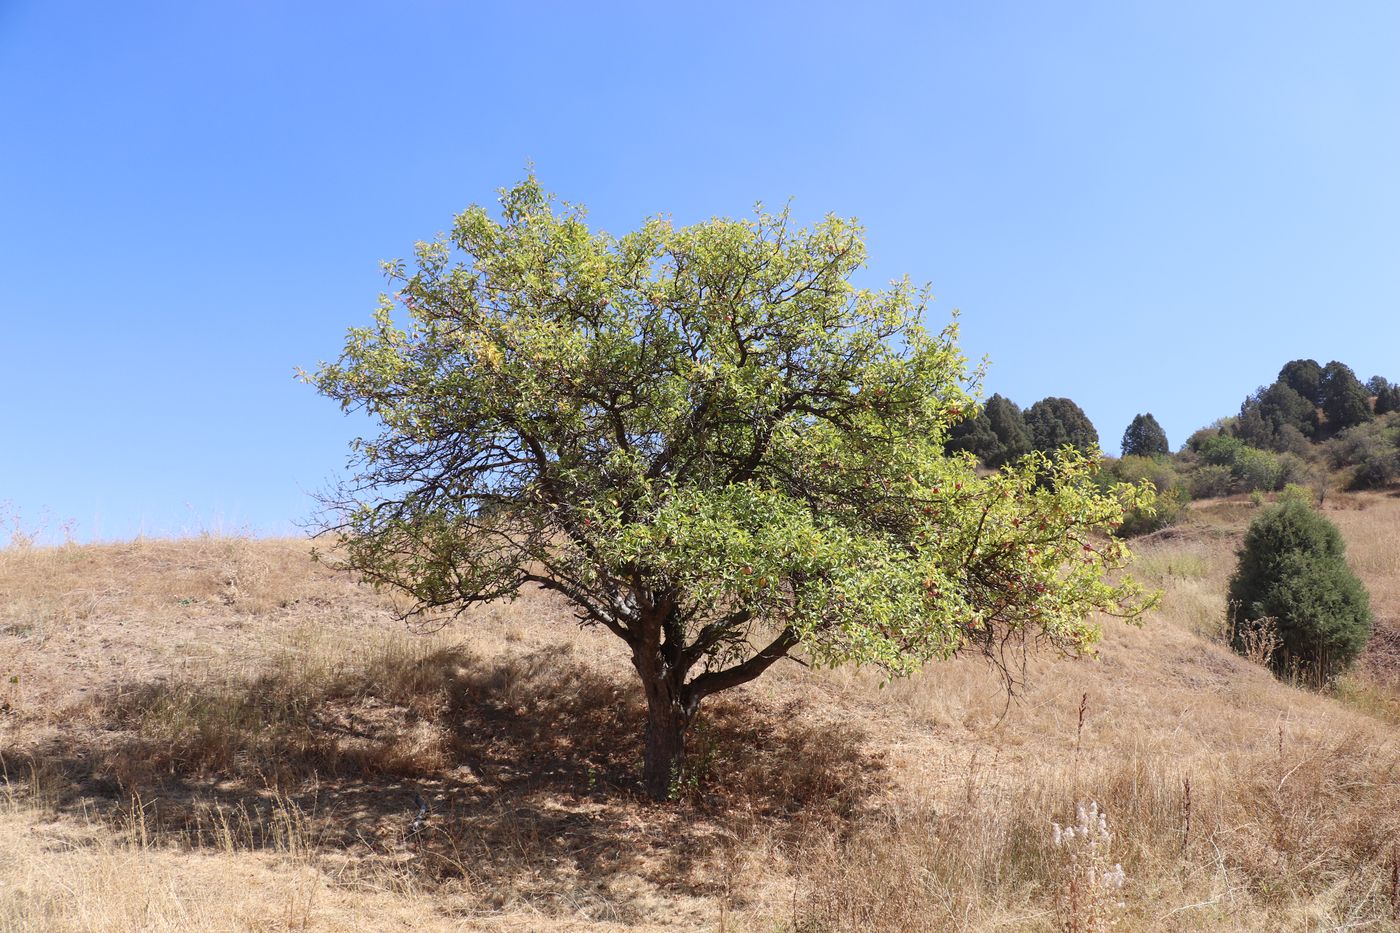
{"x":667,"y":723}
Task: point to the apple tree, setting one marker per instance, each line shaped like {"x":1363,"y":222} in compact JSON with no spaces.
{"x":714,"y":445}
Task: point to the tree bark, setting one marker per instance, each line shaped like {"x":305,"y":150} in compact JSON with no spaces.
{"x":667,"y":723}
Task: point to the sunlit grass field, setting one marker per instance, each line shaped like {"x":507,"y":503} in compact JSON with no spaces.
{"x":217,"y":734}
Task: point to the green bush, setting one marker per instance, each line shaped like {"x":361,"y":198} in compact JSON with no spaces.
{"x":1250,"y":468}
{"x":1378,"y":470}
{"x":1172,"y":494}
{"x":1257,"y":470}
{"x":1210,"y":481}
{"x":1292,"y":571}
{"x":1220,"y":449}
{"x":1373,"y":449}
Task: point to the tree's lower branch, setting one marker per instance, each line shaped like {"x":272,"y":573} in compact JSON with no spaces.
{"x":589,"y":610}
{"x":715,"y":681}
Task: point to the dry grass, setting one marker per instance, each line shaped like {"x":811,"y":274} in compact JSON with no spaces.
{"x":217,"y":734}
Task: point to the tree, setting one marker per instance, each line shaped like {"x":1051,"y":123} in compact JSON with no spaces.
{"x":1009,"y":426}
{"x":1377,"y":384}
{"x":1145,"y":438}
{"x":996,"y":435}
{"x":1055,"y":422}
{"x":1275,"y":418}
{"x":1292,"y":570}
{"x":1344,"y":398}
{"x":712,"y":444}
{"x":1303,"y":377}
{"x":974,"y":435}
{"x":1388,"y":399}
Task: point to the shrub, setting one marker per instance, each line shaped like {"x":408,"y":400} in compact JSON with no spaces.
{"x":1373,"y":449}
{"x":1220,"y":449}
{"x":1275,"y":418}
{"x":1249,"y":467}
{"x":1257,"y":470}
{"x":1379,"y":469}
{"x":1200,"y":436}
{"x":1210,"y":481}
{"x":1171,"y":492}
{"x":1292,"y":570}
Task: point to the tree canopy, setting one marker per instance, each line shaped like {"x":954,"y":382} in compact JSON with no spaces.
{"x":1293,"y":573}
{"x":1344,"y":399}
{"x":996,"y":434}
{"x":713,"y":444}
{"x":1144,"y":437}
{"x":1056,"y":422}
{"x":1303,"y":377}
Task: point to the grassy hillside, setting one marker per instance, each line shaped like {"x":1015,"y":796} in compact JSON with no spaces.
{"x":217,"y":734}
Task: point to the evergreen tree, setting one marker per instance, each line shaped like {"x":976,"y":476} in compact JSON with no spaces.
{"x":996,"y":435}
{"x":1303,"y":377}
{"x":1054,"y":422}
{"x":1266,"y":416}
{"x":1009,"y":426}
{"x":1344,"y":398}
{"x":974,"y":435}
{"x":1145,"y":438}
{"x":1388,"y":400}
{"x":1292,"y":570}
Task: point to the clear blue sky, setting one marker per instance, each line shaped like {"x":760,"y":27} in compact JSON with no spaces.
{"x":1141,"y":206}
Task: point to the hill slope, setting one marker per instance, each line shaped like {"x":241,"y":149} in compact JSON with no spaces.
{"x":219,"y":734}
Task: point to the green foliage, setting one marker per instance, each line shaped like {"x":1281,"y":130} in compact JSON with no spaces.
{"x":1388,"y":399}
{"x":1292,"y":570}
{"x":1201,"y":435}
{"x":996,"y":434}
{"x":1009,"y":426}
{"x":1256,"y":469}
{"x":1276,"y":418}
{"x":974,"y":435}
{"x":1377,"y":384}
{"x":1303,"y":377}
{"x":1058,"y":422}
{"x":1372,"y":450}
{"x":1250,"y":468}
{"x":1344,"y":399}
{"x":713,"y":445}
{"x":1220,"y":449}
{"x":1144,"y":437}
{"x":1172,"y":494}
{"x":1210,"y":481}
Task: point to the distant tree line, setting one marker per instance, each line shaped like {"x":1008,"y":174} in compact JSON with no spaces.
{"x":1000,"y":432}
{"x":1313,"y":427}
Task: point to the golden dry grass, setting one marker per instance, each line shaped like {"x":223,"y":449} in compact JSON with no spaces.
{"x":217,"y":734}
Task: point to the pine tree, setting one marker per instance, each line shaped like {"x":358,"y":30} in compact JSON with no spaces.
{"x":1055,"y":422}
{"x":1145,"y":438}
{"x":1292,"y":570}
{"x":1344,"y":398}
